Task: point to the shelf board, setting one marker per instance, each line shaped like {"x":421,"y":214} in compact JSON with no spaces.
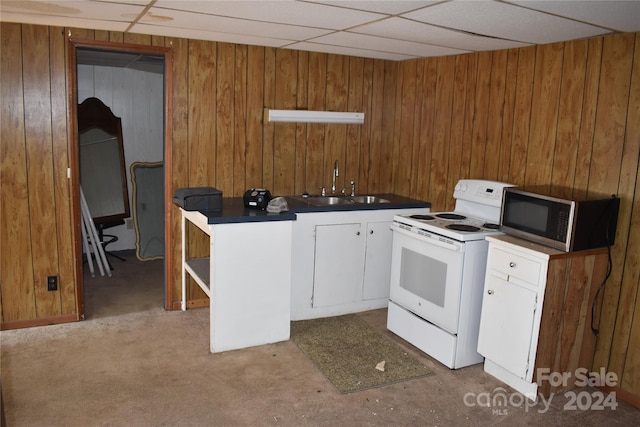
{"x":198,"y":268}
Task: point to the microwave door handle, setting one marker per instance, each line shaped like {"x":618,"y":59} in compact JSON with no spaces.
{"x":429,"y":240}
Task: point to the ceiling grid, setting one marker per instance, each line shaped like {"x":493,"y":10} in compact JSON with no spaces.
{"x":380,"y":29}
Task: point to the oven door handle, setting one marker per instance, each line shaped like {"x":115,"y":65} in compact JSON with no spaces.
{"x":437,"y":242}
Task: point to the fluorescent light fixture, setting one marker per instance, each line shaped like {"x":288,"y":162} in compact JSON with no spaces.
{"x":305,"y":116}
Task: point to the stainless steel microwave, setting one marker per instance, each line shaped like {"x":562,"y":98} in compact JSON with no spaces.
{"x":568,"y":225}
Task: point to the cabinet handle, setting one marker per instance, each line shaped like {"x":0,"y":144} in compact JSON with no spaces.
{"x":490,"y":292}
{"x":371,"y":232}
{"x":357,"y":233}
{"x":512,"y":264}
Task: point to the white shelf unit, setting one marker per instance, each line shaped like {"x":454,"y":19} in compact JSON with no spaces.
{"x":247,"y":278}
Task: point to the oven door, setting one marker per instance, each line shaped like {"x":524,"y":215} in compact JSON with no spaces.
{"x":426,"y":276}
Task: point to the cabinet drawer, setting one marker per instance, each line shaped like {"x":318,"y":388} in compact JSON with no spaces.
{"x":515,"y":266}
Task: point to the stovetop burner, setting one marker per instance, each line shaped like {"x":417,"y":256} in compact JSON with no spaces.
{"x":463,"y":227}
{"x":422,"y":217}
{"x":455,"y":225}
{"x":447,"y":215}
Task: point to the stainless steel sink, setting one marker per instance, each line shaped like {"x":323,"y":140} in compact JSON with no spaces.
{"x":341,"y":200}
{"x":329,"y":200}
{"x":368,"y":200}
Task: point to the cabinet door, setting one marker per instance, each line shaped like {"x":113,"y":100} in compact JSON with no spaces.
{"x":506,"y":324}
{"x":377,"y":265}
{"x":339,"y":264}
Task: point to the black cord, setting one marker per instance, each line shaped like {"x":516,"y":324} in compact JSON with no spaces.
{"x":596,"y":331}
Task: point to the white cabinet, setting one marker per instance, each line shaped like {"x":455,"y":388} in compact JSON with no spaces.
{"x":341,"y":261}
{"x":506,"y":324}
{"x":352,"y":263}
{"x":509,"y":305}
{"x":338,"y":267}
{"x":377,"y":267}
{"x":534,"y":309}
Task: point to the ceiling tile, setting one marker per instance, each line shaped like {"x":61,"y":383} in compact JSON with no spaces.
{"x":505,"y":21}
{"x":61,"y":21}
{"x":219,"y":24}
{"x":380,"y":6}
{"x":363,"y":41}
{"x":138,"y":2}
{"x":404,"y":29}
{"x":75,"y":9}
{"x":617,"y":15}
{"x":155,"y":30}
{"x":340,"y":50}
{"x":280,"y":11}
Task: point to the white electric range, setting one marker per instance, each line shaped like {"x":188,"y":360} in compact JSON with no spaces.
{"x":437,"y":273}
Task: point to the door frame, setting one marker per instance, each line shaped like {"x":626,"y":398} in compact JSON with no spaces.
{"x":74,"y":164}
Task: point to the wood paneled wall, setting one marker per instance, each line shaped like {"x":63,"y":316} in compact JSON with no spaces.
{"x":565,"y":114}
{"x":35,"y":216}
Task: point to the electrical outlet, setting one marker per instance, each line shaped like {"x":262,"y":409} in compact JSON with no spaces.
{"x":52,"y":283}
{"x":130,"y":224}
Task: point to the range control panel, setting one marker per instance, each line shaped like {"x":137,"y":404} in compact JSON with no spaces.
{"x":482,"y":191}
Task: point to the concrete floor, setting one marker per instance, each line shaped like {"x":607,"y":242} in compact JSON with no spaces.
{"x":132,"y":363}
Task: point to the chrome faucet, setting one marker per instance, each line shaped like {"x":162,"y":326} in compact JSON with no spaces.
{"x":335,"y":175}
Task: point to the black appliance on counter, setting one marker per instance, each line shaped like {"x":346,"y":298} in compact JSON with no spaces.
{"x":198,"y":199}
{"x":257,"y":198}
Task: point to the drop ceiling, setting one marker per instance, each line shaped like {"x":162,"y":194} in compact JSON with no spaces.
{"x":383,"y":29}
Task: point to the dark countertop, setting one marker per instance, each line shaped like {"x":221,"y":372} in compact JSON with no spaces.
{"x":234,"y":211}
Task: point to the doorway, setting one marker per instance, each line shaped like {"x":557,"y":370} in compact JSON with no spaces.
{"x":134,"y":81}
